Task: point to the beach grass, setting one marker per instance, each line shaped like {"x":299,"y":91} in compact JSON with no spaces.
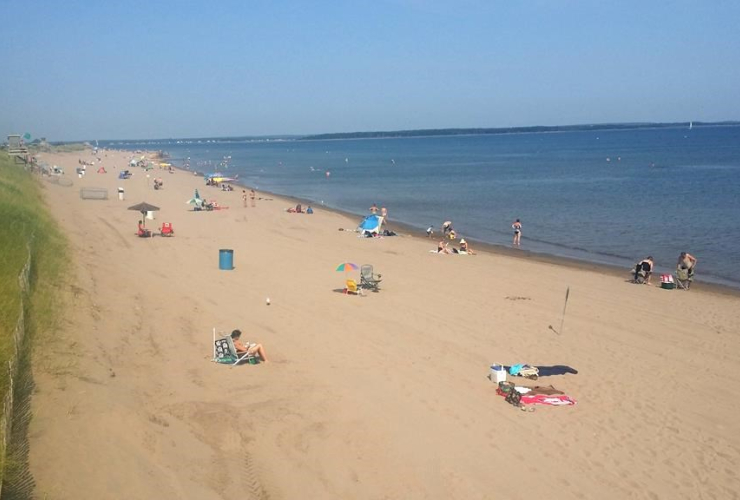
{"x":27,"y":229}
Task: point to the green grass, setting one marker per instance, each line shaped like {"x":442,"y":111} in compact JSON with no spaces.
{"x":27,"y":225}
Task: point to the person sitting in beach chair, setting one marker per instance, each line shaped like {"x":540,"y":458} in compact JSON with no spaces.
{"x":143,"y":232}
{"x":244,"y":349}
{"x":225,"y":350}
{"x":166,"y":229}
{"x":644,"y":270}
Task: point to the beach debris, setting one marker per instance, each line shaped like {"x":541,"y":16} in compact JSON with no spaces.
{"x":267,"y":301}
{"x":516,"y":297}
{"x":562,"y":319}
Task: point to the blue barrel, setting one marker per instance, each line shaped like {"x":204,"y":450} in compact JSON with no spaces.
{"x":226,"y":259}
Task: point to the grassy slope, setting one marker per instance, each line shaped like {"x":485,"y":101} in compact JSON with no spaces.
{"x":26,"y":218}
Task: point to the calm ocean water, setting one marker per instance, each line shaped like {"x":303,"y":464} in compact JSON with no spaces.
{"x":609,"y":197}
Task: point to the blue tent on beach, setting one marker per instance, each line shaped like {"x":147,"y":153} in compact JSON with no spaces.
{"x":370,"y":224}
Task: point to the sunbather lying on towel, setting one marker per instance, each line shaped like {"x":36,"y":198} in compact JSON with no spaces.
{"x":247,"y":348}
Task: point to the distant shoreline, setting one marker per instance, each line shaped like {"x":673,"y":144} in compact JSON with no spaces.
{"x":112,"y":143}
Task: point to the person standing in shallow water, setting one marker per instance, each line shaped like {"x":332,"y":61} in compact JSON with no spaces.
{"x":517,"y":227}
{"x":244,"y":197}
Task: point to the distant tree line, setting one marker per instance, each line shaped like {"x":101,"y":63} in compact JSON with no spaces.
{"x":506,"y":130}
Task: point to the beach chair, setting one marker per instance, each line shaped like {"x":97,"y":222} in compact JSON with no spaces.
{"x":352,"y":288}
{"x":684,"y":277}
{"x":225,"y":352}
{"x":368,"y":280}
{"x":166,"y":229}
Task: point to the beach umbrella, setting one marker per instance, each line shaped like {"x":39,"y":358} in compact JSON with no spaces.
{"x":143,"y":207}
{"x":347,"y":266}
{"x":195,"y":200}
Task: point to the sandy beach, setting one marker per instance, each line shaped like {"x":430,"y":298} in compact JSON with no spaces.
{"x":382,"y":396}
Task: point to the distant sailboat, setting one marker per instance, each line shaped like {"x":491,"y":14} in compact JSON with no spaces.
{"x":691,"y":125}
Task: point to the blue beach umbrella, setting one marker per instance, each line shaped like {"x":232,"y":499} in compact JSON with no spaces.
{"x":371,"y":223}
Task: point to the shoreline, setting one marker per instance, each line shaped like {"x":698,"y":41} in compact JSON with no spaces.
{"x":409,"y":230}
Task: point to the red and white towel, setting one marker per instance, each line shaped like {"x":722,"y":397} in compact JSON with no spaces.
{"x":544,"y":399}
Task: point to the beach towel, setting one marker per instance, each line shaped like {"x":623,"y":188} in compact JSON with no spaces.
{"x":521,"y":370}
{"x":543,"y":399}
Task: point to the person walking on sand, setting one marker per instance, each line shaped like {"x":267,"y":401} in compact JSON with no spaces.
{"x":252,"y":195}
{"x":517,"y":227}
{"x":244,"y":197}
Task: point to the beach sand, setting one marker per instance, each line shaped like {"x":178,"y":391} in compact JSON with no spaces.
{"x":383,"y":396}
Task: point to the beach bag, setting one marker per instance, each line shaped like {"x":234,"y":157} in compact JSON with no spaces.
{"x":506,"y":387}
{"x":227,"y":360}
{"x":514,"y":398}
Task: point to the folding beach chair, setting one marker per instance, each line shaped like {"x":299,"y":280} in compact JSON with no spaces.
{"x":166,"y":229}
{"x":684,"y":277}
{"x":368,"y":280}
{"x":225,"y":352}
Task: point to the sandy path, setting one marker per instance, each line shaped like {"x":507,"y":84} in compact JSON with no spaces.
{"x":382,"y":396}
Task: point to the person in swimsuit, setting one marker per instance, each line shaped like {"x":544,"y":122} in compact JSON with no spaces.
{"x":143,"y":231}
{"x":442,"y":247}
{"x":464,"y":248}
{"x":517,"y":227}
{"x":686,"y":261}
{"x":646,"y":266}
{"x":247,"y":348}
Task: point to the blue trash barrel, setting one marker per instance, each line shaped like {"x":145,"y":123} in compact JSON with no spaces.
{"x":226,"y":259}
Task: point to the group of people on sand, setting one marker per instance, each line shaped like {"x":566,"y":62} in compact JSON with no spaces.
{"x":448,"y":232}
{"x":444,"y":247}
{"x":382,"y":211}
{"x":252,"y":196}
{"x":644,"y":268}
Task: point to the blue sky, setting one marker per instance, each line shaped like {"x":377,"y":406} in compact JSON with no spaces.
{"x":78,"y":70}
